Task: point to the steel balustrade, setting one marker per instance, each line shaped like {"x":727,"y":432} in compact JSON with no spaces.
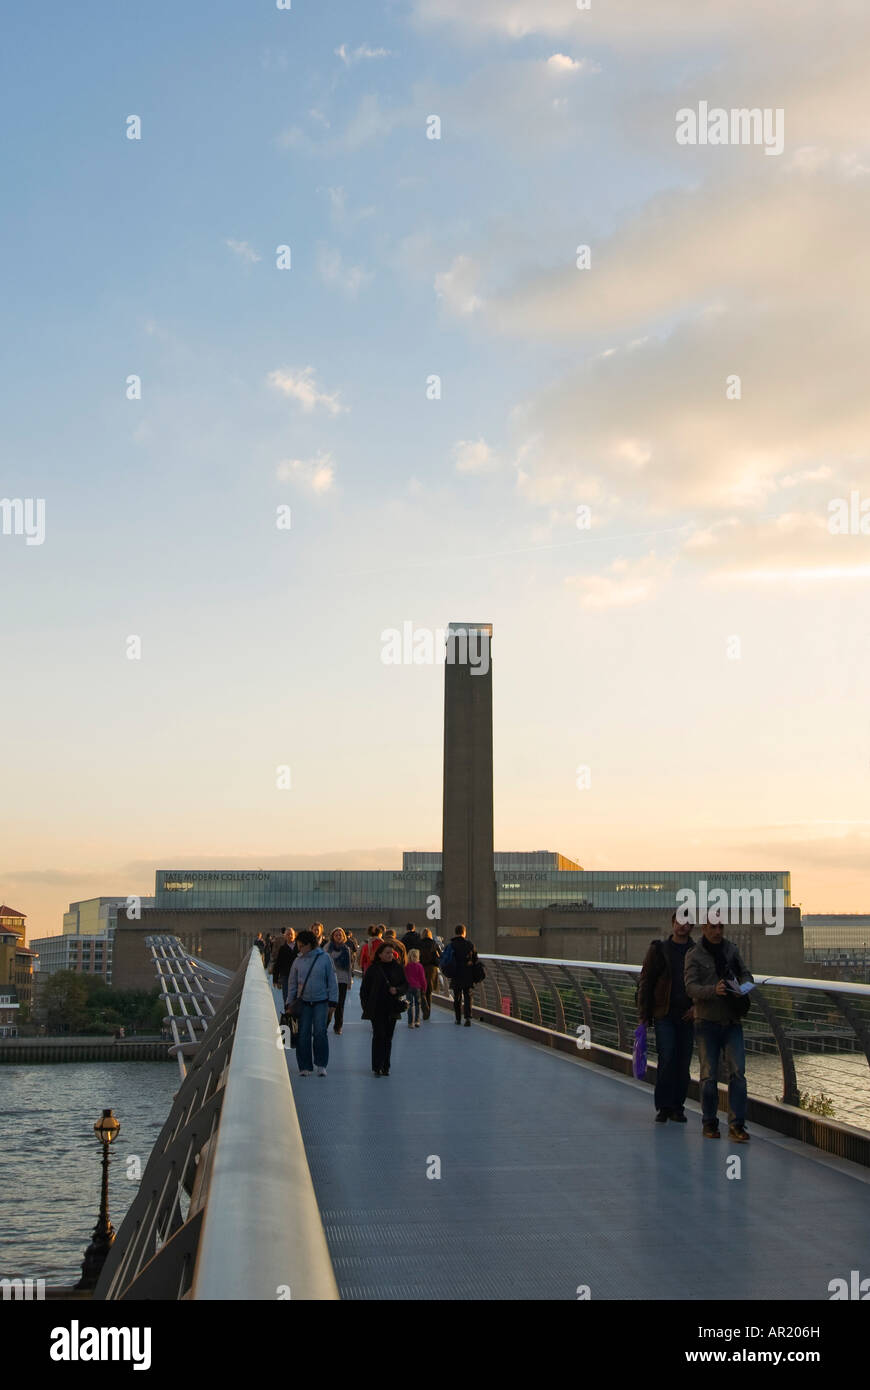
{"x":230,"y":1156}
{"x":800,"y":1022}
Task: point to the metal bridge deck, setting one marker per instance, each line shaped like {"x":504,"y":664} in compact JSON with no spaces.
{"x":554,"y":1176}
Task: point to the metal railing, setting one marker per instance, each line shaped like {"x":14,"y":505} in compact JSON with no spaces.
{"x":226,"y":1206}
{"x":807,"y":1041}
{"x":188,"y":988}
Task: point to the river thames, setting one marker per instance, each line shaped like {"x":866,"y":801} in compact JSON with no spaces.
{"x":50,"y":1195}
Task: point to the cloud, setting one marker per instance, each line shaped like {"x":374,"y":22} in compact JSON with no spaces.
{"x":561,"y":63}
{"x":794,"y":546}
{"x":338,"y":208}
{"x":335,"y":272}
{"x":668,"y":24}
{"x":356,"y":55}
{"x":625,"y":583}
{"x":456,"y":286}
{"x":52,"y":877}
{"x":474,"y":456}
{"x":315,"y":475}
{"x":756,"y":284}
{"x":243,"y":250}
{"x":302,"y":387}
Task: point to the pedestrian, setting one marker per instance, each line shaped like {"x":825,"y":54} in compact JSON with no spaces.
{"x":284,"y":958}
{"x":416,"y":977}
{"x":412,"y":941}
{"x":662,"y":1002}
{"x":401,"y":953}
{"x":312,"y":982}
{"x":342,"y":961}
{"x":353,"y":947}
{"x":367,"y":954}
{"x":714,"y":972}
{"x":317,"y":928}
{"x":429,"y":958}
{"x":462,"y":960}
{"x":261,"y":947}
{"x":383,"y":989}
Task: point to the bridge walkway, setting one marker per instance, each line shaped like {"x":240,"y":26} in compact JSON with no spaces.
{"x":554,"y":1176}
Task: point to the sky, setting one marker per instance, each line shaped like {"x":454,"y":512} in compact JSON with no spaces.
{"x":286,"y":373}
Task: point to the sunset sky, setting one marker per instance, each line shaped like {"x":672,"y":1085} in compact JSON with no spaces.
{"x":702,"y":646}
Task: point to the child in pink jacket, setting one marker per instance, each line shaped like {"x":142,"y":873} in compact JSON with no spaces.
{"x":416,"y":977}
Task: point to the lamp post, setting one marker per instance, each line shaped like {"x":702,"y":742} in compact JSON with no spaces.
{"x":106,"y":1129}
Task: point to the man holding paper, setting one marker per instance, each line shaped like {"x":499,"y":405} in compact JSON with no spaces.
{"x":715,"y":974}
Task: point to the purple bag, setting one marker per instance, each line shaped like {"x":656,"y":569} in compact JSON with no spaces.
{"x":638,"y":1055}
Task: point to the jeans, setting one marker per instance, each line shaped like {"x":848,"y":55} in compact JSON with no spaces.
{"x":383,"y":1027}
{"x":725,"y":1040}
{"x":460,"y":993}
{"x":413,"y":1007}
{"x":431,"y":983}
{"x":674,"y":1042}
{"x":339,"y":1010}
{"x":313,"y":1020}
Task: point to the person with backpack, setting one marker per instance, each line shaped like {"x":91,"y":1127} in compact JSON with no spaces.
{"x":662,"y":1001}
{"x":312,"y":996}
{"x":458,"y":963}
{"x":383,"y":1003}
{"x":714,"y":973}
{"x":342,"y":961}
{"x":429,"y":958}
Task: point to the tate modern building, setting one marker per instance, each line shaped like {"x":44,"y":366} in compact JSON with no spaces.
{"x":532,"y":903}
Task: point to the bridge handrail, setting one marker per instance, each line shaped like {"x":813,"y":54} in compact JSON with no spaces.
{"x":226,"y":1206}
{"x":792,"y":981}
{"x":262,"y":1231}
{"x":789,"y":1016}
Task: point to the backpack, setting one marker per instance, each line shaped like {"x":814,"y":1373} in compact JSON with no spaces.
{"x":447,"y":963}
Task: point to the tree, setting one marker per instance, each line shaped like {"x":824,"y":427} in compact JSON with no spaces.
{"x":64,"y":999}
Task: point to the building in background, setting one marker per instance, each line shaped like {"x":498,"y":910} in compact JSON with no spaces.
{"x":86,"y":943}
{"x":535,"y":903}
{"x":837,"y":945}
{"x":16,"y":972}
{"x":546,"y":905}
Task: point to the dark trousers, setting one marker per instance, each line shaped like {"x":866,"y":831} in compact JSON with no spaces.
{"x":383,"y":1027}
{"x":431,"y":982}
{"x":461,"y":993}
{"x":674,"y":1042}
{"x":339,"y":1008}
{"x":725,"y":1041}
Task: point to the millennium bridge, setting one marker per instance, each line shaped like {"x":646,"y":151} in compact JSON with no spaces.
{"x":515,"y":1160}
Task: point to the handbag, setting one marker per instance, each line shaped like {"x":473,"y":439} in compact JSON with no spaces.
{"x":478,"y":972}
{"x":295,"y":1009}
{"x":288,"y":1021}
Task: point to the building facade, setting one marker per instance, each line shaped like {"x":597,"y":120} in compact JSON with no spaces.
{"x":86,"y":943}
{"x":16,"y":972}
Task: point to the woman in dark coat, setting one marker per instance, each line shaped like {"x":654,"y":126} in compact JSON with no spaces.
{"x":429,"y":958}
{"x":383,"y":985}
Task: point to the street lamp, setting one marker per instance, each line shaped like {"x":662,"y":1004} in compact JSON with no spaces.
{"x":106,"y":1129}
